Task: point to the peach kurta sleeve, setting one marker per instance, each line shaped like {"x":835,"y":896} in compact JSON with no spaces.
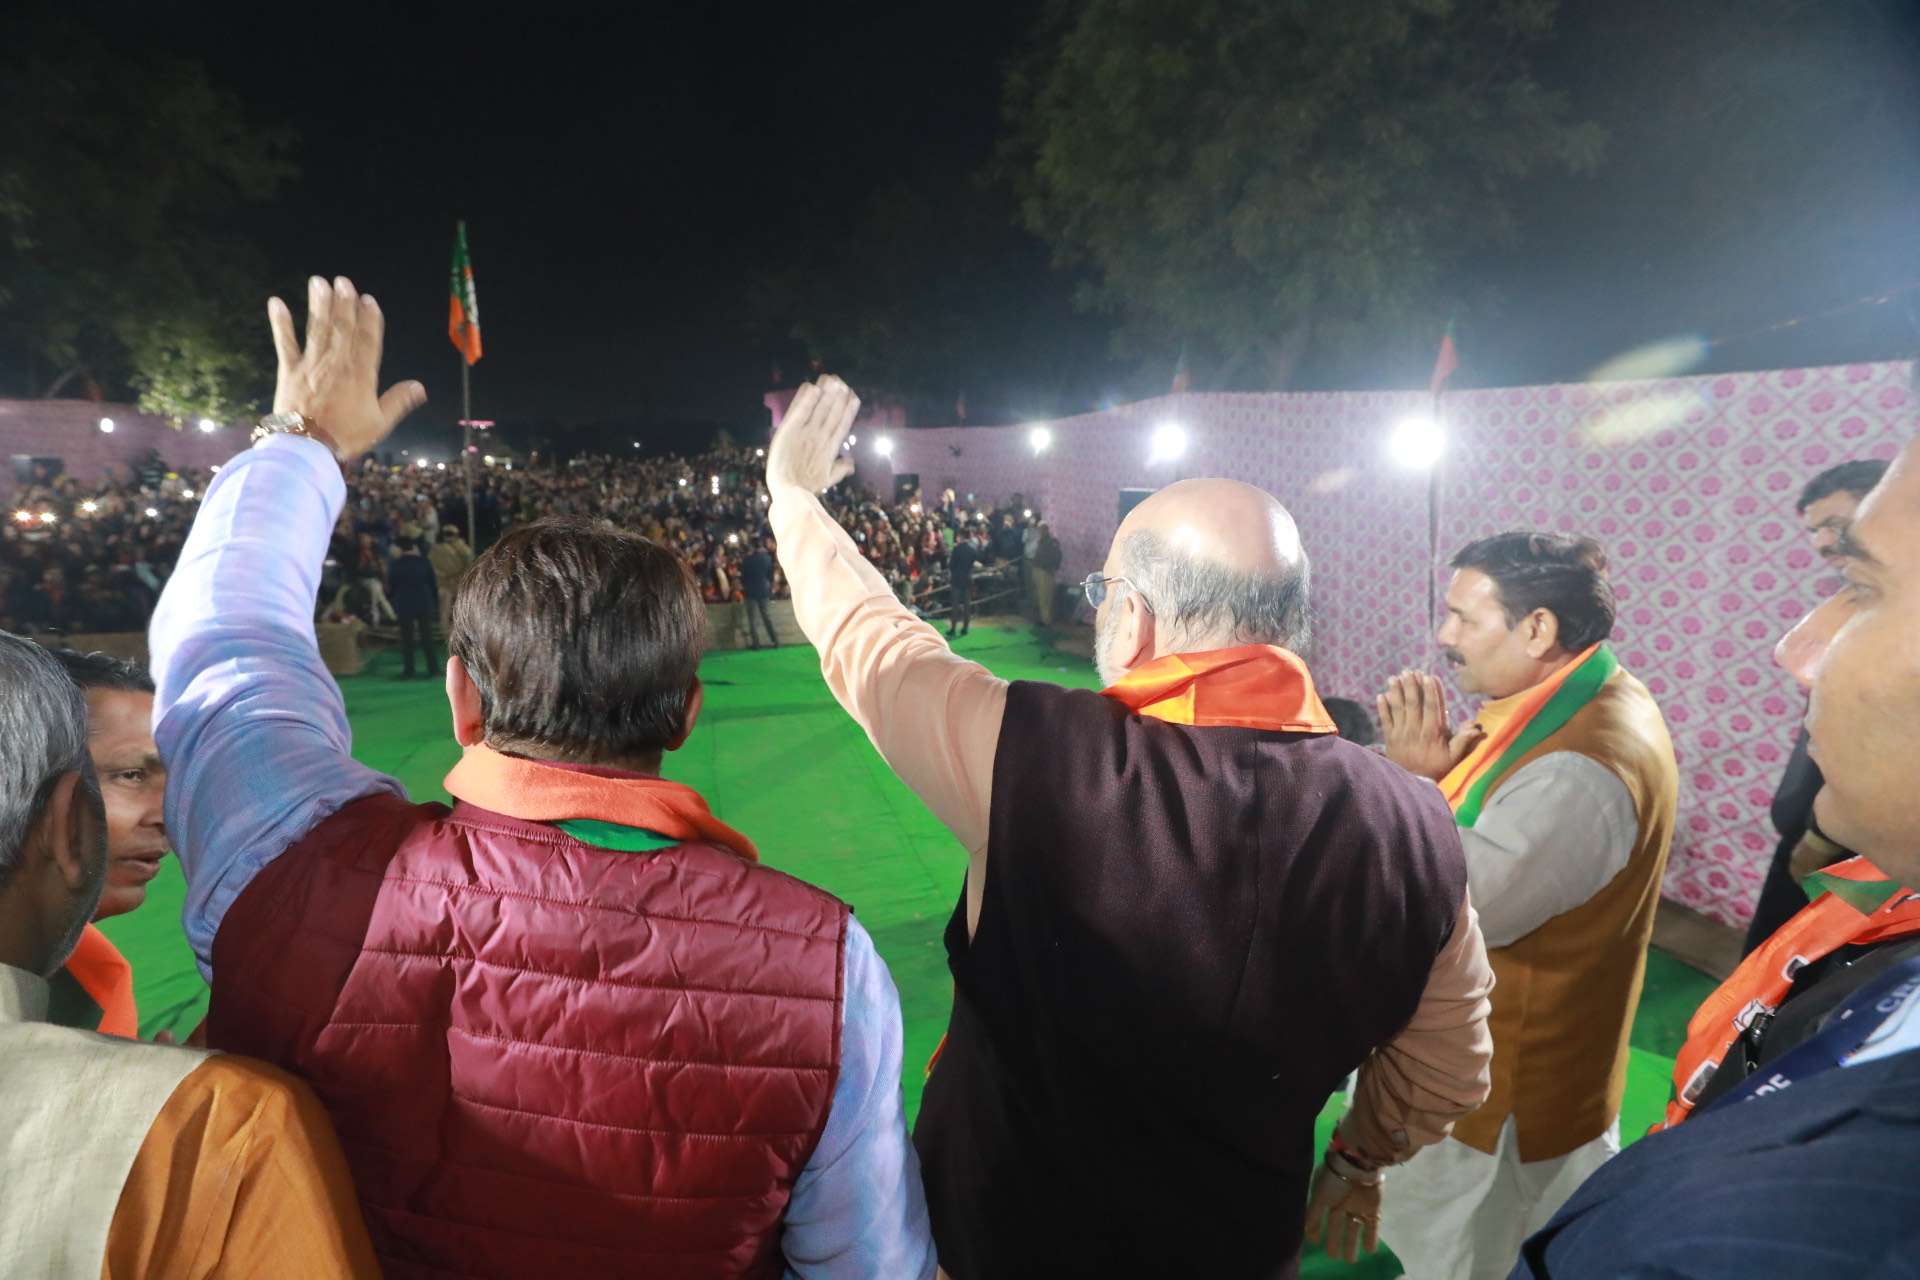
{"x":933,"y":716}
{"x":1438,"y":1069}
{"x":239,"y":1178}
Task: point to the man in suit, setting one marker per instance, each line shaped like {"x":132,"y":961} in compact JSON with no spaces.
{"x":416,"y":599}
{"x":960,"y":565}
{"x":756,"y":585}
{"x":1793,"y":1147}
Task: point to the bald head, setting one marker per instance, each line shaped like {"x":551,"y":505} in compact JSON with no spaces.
{"x":1215,"y":563}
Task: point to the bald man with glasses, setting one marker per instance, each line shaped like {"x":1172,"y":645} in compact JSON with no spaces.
{"x":1190,"y":908}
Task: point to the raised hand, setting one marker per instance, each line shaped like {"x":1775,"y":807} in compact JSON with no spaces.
{"x":806,"y":449}
{"x":333,"y":382}
{"x":1419,"y":736}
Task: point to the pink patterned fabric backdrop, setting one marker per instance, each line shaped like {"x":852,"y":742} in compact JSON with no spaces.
{"x":1689,"y":483}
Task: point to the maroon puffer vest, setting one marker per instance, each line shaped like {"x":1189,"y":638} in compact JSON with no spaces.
{"x":544,"y":1058}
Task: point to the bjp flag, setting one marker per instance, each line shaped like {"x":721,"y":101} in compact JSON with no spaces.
{"x":463,"y":305}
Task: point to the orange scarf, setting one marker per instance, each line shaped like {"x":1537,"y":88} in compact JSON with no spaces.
{"x":1504,"y":720}
{"x":104,"y":974}
{"x":536,"y":792}
{"x":1857,"y":904}
{"x":1254,"y":686}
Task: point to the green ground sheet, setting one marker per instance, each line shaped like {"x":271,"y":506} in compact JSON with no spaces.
{"x":778,"y":760}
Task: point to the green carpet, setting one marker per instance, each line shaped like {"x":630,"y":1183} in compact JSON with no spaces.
{"x":780,"y":761}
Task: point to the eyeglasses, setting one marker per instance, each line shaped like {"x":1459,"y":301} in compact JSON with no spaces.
{"x":1096,"y":588}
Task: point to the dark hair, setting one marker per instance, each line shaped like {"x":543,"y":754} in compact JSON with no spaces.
{"x":103,"y":671}
{"x":1353,"y":720}
{"x":1566,"y":576}
{"x":582,"y":640}
{"x":1857,"y":478}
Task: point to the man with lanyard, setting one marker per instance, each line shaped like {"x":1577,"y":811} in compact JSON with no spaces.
{"x":1826,"y":508}
{"x":1564,"y":788}
{"x":1785,"y":1165}
{"x":1190,"y":908}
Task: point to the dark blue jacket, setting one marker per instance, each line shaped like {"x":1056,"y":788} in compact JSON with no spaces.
{"x":412,"y":587}
{"x":756,"y":576}
{"x":1818,"y":1182}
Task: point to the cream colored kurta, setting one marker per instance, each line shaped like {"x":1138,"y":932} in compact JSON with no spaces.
{"x":132,"y":1161}
{"x":74,"y":1110}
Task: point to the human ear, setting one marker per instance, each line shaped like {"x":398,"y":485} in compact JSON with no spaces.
{"x":1138,"y":631}
{"x":1543,"y":633}
{"x":696,"y":699}
{"x":463,"y":698}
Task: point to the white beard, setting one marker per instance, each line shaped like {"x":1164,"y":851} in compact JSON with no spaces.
{"x":1109,"y":671}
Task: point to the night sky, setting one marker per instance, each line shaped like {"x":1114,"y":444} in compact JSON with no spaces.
{"x":627,"y":172}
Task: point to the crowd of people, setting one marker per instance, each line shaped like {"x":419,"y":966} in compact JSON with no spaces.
{"x":571,"y":1027}
{"x":78,"y":559}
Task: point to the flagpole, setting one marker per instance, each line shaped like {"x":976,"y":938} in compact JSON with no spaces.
{"x":1433,"y":526}
{"x":466,"y":441}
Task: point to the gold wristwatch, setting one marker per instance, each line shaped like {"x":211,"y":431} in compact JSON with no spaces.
{"x":293,"y":424}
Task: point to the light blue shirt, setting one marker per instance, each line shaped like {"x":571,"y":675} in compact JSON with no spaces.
{"x":255,"y":736}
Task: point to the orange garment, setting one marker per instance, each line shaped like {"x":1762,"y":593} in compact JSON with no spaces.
{"x":1860,"y":905}
{"x":1254,"y":686}
{"x":536,"y":792}
{"x":104,"y":974}
{"x":1503,"y":720}
{"x":240,"y":1178}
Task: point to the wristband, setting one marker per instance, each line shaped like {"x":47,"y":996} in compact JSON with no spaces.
{"x":1350,"y":1173}
{"x":1355,"y":1157}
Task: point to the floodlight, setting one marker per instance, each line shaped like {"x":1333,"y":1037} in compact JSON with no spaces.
{"x":883,"y":446}
{"x":106,"y":426}
{"x":1041,"y":438}
{"x":1417,"y":443}
{"x":1169,"y":442}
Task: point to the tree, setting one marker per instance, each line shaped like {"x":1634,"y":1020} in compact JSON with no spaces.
{"x":932,"y":292}
{"x":119,"y":179}
{"x":1279,"y":179}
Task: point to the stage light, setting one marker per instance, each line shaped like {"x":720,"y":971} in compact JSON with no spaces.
{"x":153,"y":513}
{"x":1169,"y":442}
{"x":1041,"y":438}
{"x":106,"y":426}
{"x":209,"y":426}
{"x":1417,"y":443}
{"x":89,"y":507}
{"x":884,"y":447}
